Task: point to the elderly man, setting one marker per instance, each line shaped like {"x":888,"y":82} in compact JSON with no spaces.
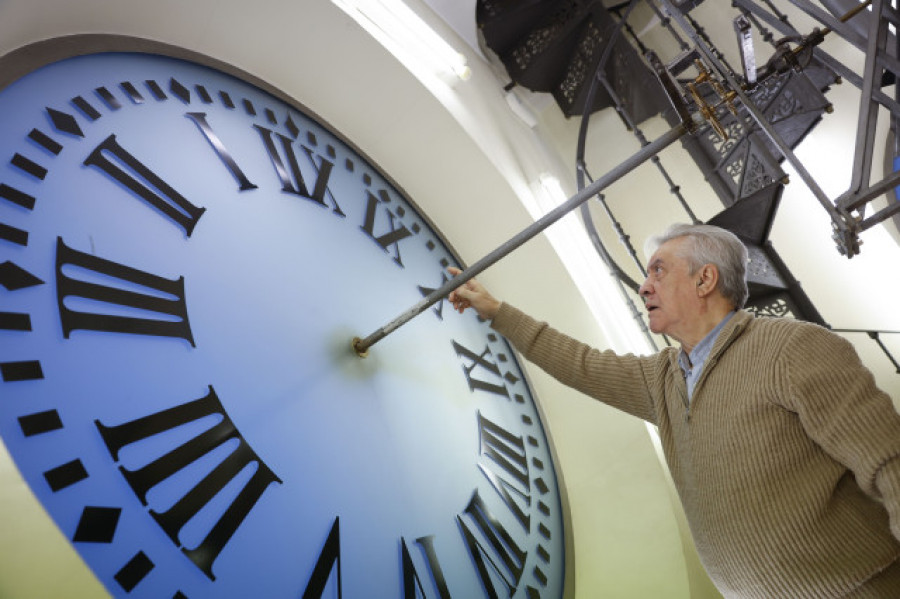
{"x":785,"y":454}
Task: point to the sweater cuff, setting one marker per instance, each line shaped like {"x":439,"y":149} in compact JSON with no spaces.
{"x":504,"y":318}
{"x":514,"y":324}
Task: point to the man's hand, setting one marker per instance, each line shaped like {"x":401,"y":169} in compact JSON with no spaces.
{"x":473,"y":294}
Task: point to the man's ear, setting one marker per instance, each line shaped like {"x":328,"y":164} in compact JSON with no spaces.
{"x":707,"y":279}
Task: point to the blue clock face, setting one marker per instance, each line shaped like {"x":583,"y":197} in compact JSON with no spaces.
{"x":185,"y":260}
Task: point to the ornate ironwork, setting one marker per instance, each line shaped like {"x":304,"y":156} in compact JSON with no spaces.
{"x":539,"y":40}
{"x":774,"y":306}
{"x":574,"y":53}
{"x":560,"y":52}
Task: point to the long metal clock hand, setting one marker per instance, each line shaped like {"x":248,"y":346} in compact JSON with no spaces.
{"x":361,"y":346}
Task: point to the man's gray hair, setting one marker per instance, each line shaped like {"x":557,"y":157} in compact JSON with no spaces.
{"x":708,"y":244}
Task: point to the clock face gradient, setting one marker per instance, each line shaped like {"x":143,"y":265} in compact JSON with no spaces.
{"x":184,"y":261}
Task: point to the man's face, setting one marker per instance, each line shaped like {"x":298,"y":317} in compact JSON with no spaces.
{"x":670,"y":292}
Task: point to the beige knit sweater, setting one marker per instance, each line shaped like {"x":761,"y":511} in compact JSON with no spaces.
{"x":787,"y":461}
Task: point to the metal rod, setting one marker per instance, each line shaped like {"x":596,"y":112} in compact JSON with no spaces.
{"x":868,"y":110}
{"x":875,"y":336}
{"x":868,"y":332}
{"x":361,"y":346}
{"x":882,"y":215}
{"x":856,"y":200}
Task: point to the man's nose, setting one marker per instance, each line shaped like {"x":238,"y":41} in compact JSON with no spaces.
{"x":644,"y":289}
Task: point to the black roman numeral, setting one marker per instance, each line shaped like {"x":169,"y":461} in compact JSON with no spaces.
{"x":292,"y":180}
{"x":497,"y":557}
{"x":199,"y":119}
{"x":145,"y":478}
{"x":160,"y":296}
{"x":508,"y":452}
{"x":501,"y":554}
{"x":481,"y":361}
{"x":438,"y":309}
{"x":392,"y":237}
{"x":329,"y":556}
{"x":411,"y":578}
{"x":145,"y":183}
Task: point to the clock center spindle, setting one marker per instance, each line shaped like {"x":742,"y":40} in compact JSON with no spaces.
{"x":361,"y":352}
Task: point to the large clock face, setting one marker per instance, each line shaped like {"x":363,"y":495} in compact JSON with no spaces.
{"x":185,"y":260}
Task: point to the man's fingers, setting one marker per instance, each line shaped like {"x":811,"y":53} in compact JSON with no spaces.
{"x":460,"y":297}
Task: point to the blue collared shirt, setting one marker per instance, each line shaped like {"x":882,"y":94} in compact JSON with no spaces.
{"x":692,"y":364}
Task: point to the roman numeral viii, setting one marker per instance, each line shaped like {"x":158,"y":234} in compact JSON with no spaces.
{"x":129,"y":300}
{"x":159,"y":470}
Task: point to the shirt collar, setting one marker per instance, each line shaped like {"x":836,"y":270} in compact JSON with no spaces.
{"x":701,"y":351}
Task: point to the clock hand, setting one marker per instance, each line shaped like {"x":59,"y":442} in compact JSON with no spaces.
{"x":361,"y":346}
